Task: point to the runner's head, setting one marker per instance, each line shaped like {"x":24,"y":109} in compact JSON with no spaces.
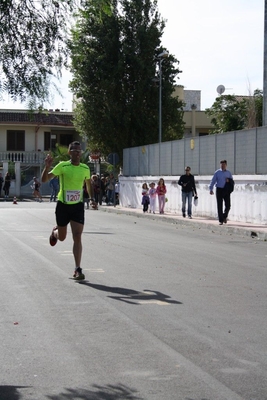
{"x":73,"y":145}
{"x":75,"y":152}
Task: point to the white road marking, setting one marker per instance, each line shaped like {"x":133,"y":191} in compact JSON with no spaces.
{"x":94,"y":269}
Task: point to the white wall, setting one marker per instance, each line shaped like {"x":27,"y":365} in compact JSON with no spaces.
{"x":248,"y":201}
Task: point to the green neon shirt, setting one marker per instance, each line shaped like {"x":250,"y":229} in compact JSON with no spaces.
{"x":71,"y":180}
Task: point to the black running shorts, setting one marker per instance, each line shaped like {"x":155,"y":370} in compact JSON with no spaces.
{"x":69,"y":212}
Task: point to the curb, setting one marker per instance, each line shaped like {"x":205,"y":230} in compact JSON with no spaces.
{"x":230,"y":228}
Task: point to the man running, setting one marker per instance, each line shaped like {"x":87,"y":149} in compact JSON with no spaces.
{"x":70,"y":208}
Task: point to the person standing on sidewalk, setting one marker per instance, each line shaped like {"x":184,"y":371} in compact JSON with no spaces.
{"x":187,"y":182}
{"x":96,"y":184}
{"x":54,"y":185}
{"x":111,"y":190}
{"x":152,"y":197}
{"x":161,"y":191}
{"x":223,"y":180}
{"x":7,"y":183}
{"x":85,"y":196}
{"x":70,"y":207}
{"x":1,"y":183}
{"x":145,"y":197}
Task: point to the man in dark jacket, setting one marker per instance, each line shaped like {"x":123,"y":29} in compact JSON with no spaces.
{"x":1,"y":182}
{"x":187,"y":182}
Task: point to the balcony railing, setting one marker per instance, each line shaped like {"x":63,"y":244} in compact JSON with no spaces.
{"x":25,"y":157}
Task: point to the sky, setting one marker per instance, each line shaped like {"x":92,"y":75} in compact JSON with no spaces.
{"x":217,"y":42}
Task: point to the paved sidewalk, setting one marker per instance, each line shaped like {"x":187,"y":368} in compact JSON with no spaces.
{"x":255,"y":231}
{"x":232,"y":227}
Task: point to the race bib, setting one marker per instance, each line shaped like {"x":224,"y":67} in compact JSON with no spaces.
{"x":72,"y":196}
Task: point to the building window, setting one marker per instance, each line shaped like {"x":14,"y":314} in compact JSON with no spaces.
{"x":47,"y":141}
{"x":15,"y":141}
{"x":50,"y":141}
{"x":66,"y":139}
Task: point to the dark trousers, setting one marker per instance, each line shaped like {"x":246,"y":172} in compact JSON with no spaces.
{"x":145,"y":206}
{"x":98,"y":198}
{"x":223,"y":196}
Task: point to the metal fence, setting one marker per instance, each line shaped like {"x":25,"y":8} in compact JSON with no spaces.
{"x":245,"y":152}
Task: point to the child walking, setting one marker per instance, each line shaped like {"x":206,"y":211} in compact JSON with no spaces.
{"x":161,"y":191}
{"x":152,"y":197}
{"x":145,"y":197}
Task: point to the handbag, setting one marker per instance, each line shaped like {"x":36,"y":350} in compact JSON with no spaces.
{"x":195,"y":201}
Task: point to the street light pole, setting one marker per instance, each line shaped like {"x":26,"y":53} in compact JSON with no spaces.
{"x":160,"y":100}
{"x":161,"y":57}
{"x":264,"y":108}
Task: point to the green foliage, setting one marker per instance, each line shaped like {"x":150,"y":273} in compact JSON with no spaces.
{"x":11,"y":169}
{"x":258,"y":102}
{"x":60,"y":153}
{"x":114,"y":64}
{"x":32,"y":45}
{"x":230,"y":113}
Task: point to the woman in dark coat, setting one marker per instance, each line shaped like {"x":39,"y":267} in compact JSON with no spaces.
{"x":7,"y":183}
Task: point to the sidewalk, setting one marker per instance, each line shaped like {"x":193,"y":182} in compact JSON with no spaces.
{"x":232,"y":227}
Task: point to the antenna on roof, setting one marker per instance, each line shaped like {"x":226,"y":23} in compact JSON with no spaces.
{"x":220,"y":89}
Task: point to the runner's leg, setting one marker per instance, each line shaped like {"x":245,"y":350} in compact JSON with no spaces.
{"x":77,"y":230}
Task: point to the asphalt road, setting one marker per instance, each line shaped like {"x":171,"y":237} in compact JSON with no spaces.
{"x":168,"y":312}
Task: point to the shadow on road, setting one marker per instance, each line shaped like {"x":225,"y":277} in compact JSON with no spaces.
{"x":8,"y":392}
{"x":133,"y":296}
{"x":108,"y":392}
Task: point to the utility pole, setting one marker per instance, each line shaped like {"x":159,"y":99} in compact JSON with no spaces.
{"x":161,"y":57}
{"x":264,"y":111}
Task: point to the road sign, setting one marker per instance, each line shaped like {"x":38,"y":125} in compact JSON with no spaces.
{"x":113,"y":158}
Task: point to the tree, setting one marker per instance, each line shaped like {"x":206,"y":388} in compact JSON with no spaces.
{"x":61,"y":153}
{"x":32,"y":44}
{"x":228,"y":113}
{"x":231,"y":113}
{"x":255,"y":107}
{"x":114,"y":64}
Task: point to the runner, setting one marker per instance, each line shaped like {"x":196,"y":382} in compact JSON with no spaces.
{"x":70,"y":208}
{"x":36,"y":190}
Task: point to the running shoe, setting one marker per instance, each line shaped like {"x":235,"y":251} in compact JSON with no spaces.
{"x":79,"y":276}
{"x":52,"y":238}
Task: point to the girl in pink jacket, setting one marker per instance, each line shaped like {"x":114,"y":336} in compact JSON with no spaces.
{"x":161,"y":191}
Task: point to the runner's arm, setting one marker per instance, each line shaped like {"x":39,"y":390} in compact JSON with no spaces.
{"x":46,"y":175}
